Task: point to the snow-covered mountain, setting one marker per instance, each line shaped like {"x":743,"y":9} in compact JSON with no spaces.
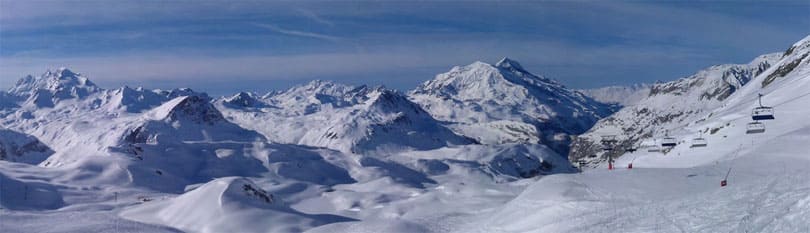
{"x":669,"y":108}
{"x":244,"y":100}
{"x":341,"y":117}
{"x":80,"y":149}
{"x":622,"y":95}
{"x":135,"y":100}
{"x":505,"y":103}
{"x":53,"y":87}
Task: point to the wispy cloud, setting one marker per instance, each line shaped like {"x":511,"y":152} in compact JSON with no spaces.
{"x":297,"y":32}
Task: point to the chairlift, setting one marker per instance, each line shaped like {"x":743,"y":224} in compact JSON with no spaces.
{"x":755,"y":127}
{"x":699,"y":142}
{"x":669,"y":142}
{"x":762,"y":112}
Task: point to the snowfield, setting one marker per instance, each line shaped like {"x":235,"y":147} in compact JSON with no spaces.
{"x":475,"y":150}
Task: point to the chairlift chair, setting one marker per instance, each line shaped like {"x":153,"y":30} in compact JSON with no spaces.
{"x":699,"y":142}
{"x":653,"y":149}
{"x":762,"y":112}
{"x":669,"y":142}
{"x":755,"y":127}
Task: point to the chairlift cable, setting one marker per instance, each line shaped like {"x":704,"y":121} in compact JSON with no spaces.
{"x":727,"y":173}
{"x":775,"y":105}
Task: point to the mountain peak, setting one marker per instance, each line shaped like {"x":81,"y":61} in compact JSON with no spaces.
{"x":192,"y":108}
{"x":50,"y":80}
{"x":64,"y":72}
{"x":313,"y":88}
{"x":51,"y":87}
{"x":803,"y":41}
{"x":243,"y":99}
{"x":508,"y":63}
{"x":318,"y":85}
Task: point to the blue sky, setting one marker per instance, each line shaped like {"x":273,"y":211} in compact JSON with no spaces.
{"x":222,"y":47}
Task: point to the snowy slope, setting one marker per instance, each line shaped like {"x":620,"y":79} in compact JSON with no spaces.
{"x":766,"y":191}
{"x":764,"y":195}
{"x":18,"y":194}
{"x":506,"y":100}
{"x":669,"y":107}
{"x":19,"y":147}
{"x":680,"y":191}
{"x":345,"y":118}
{"x":226,"y":204}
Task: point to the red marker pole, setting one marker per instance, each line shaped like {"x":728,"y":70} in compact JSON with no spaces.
{"x":610,"y":165}
{"x":630,"y":165}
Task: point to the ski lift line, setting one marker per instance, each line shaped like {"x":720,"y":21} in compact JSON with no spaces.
{"x":785,"y":84}
{"x":776,"y":105}
{"x":791,"y":100}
